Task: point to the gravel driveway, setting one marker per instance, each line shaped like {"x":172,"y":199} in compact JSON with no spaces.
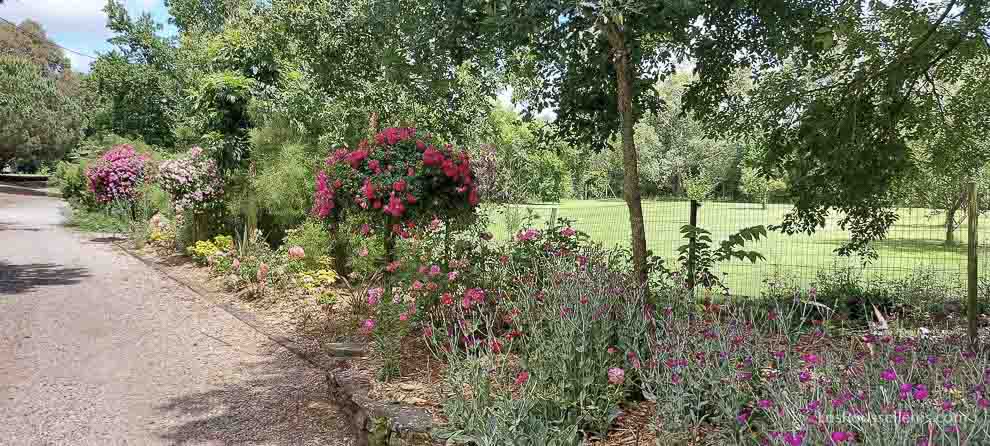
{"x":97,"y":348}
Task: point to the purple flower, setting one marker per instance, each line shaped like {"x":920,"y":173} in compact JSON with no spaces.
{"x":920,"y":392}
{"x":841,"y":436}
{"x":888,"y":375}
{"x":794,"y":438}
{"x":804,"y":376}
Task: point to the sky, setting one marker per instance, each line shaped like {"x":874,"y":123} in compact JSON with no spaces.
{"x":79,"y":25}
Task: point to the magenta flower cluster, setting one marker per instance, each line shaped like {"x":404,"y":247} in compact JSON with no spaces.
{"x":401,"y":177}
{"x":192,"y":180}
{"x":118,"y":175}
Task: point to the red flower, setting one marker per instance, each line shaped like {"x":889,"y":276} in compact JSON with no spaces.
{"x":337,"y":184}
{"x":450,"y":169}
{"x":432,"y":157}
{"x":522,"y":377}
{"x":420,"y":145}
{"x":355,"y":157}
{"x":395,"y":207}
{"x":369,"y":189}
{"x":399,"y":186}
{"x":410,"y":172}
{"x":377,"y":204}
{"x":375,"y":166}
{"x":473,"y":197}
{"x":447,"y":299}
{"x":410,"y":199}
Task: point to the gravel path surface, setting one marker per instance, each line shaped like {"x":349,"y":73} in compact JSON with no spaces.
{"x":96,"y":348}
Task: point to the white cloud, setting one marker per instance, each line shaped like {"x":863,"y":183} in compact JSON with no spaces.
{"x":59,"y":16}
{"x":79,"y":25}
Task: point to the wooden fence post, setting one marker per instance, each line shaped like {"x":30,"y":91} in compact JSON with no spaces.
{"x":972,"y":310}
{"x":693,"y":221}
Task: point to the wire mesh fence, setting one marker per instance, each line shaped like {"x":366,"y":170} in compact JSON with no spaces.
{"x":916,"y":241}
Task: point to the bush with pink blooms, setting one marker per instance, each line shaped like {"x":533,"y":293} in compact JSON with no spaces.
{"x":193,"y":181}
{"x":118,"y":175}
{"x":401,"y":178}
{"x":558,"y":342}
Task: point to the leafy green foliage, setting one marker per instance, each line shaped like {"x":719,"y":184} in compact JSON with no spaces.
{"x":38,"y":120}
{"x":839,"y":114}
{"x":699,"y":255}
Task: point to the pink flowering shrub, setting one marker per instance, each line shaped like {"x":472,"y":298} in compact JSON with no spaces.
{"x":546,"y":344}
{"x":118,"y":175}
{"x":401,"y":177}
{"x":552,"y":332}
{"x":771,"y":376}
{"x":193,"y":181}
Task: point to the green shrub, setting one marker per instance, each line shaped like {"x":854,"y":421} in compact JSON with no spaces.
{"x":109,"y":220}
{"x":70,"y":179}
{"x":284,"y":185}
{"x":314,"y":240}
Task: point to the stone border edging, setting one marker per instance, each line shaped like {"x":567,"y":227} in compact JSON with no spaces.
{"x":374,"y":423}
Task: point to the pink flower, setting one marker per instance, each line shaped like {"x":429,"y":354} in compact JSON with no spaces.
{"x":432,"y":157}
{"x":365,"y":229}
{"x":920,"y":392}
{"x":568,"y":232}
{"x":841,"y":437}
{"x":236,"y":265}
{"x":374,"y":294}
{"x":529,"y":234}
{"x":521,"y":378}
{"x":363,"y":252}
{"x":393,"y":266}
{"x":447,"y":299}
{"x":399,"y":186}
{"x":375,"y":166}
{"x":434,"y":270}
{"x":616,"y":375}
{"x":262,"y":272}
{"x":765,"y":404}
{"x":403,"y":317}
{"x":417,"y":285}
{"x":888,"y":375}
{"x":804,"y":377}
{"x":355,"y":157}
{"x":794,"y":438}
{"x":368,"y":325}
{"x":452,"y":276}
{"x":810,"y":359}
{"x":297,"y":252}
{"x":395,"y":207}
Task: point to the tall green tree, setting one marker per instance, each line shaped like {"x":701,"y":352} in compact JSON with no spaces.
{"x":595,"y":62}
{"x":38,"y":121}
{"x":840,"y":117}
{"x":137,"y":82}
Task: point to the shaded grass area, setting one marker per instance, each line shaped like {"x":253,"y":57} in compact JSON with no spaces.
{"x":916,"y":241}
{"x":96,"y":221}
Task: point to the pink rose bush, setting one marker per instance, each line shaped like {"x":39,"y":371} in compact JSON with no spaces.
{"x":192,"y":180}
{"x":118,"y":175}
{"x":401,"y":177}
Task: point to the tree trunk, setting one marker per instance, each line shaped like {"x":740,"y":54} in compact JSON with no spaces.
{"x":630,"y":160}
{"x":950,"y":218}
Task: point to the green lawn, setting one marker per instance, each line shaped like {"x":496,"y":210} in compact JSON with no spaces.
{"x":916,"y":241}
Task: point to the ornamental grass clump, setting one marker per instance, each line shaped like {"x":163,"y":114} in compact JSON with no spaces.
{"x":118,"y":175}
